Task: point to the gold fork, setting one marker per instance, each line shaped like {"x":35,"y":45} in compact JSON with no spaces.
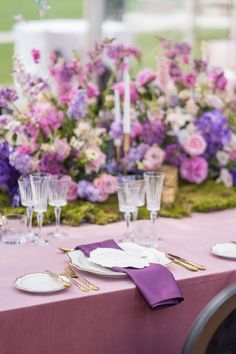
{"x":72,"y":275}
{"x":80,"y":286}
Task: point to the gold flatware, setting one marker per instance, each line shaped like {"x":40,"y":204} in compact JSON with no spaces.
{"x":232,"y":241}
{"x":80,"y":286}
{"x":72,"y":274}
{"x":65,"y":249}
{"x":182,"y":263}
{"x":56,"y":276}
{"x":198,"y":266}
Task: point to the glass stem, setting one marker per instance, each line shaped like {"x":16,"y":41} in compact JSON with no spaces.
{"x":135,"y":215}
{"x":57,"y":211}
{"x":40,"y":224}
{"x":153,"y":217}
{"x":127,"y":217}
{"x":29,"y":211}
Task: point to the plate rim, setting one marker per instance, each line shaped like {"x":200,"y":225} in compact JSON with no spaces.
{"x":218,"y":254}
{"x":35,"y":291}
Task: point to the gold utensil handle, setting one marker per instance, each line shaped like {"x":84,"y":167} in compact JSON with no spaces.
{"x":80,"y":286}
{"x":55,"y":276}
{"x":185,"y":265}
{"x":198,"y":266}
{"x":90,"y":285}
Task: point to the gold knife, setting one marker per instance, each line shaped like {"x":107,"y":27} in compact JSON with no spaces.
{"x":182,"y":263}
{"x":198,"y":266}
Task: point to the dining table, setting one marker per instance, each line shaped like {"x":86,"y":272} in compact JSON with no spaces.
{"x":115,"y":319}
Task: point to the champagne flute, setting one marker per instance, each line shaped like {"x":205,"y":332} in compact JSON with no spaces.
{"x":127,"y":200}
{"x":136,"y":181}
{"x":153,"y":186}
{"x":27,"y":201}
{"x":59,"y":186}
{"x":40,"y":191}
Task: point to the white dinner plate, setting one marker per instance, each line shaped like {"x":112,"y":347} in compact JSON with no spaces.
{"x":80,"y":261}
{"x":41,"y":283}
{"x":226,"y":250}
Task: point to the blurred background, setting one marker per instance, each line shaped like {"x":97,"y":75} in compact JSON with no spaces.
{"x":75,"y":24}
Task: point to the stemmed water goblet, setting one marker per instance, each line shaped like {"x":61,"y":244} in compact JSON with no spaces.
{"x":27,"y":201}
{"x":136,"y":181}
{"x":40,"y":184}
{"x":59,"y":186}
{"x":127,"y":200}
{"x":153,"y":186}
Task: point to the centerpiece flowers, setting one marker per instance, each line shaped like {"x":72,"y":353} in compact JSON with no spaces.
{"x":182,"y":114}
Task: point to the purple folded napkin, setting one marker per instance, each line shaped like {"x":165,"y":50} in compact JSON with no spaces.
{"x":156,"y":283}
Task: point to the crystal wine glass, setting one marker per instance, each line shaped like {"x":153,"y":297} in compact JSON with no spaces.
{"x":40,"y":184}
{"x":27,"y":201}
{"x":127,"y":200}
{"x":136,"y":181}
{"x":153,"y":186}
{"x":59,"y":186}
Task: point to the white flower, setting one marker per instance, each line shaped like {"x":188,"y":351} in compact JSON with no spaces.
{"x":222,"y":157}
{"x":179,"y":118}
{"x":185,"y":94}
{"x":203,"y":79}
{"x":191,"y":107}
{"x":226,"y":178}
{"x":214,"y":101}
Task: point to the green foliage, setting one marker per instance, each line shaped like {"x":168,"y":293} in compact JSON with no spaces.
{"x":206,"y":197}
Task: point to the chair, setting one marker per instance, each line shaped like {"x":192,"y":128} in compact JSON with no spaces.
{"x":214,"y":330}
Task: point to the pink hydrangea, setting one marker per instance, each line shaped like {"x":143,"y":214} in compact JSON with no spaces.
{"x":48,"y":117}
{"x":120,"y":87}
{"x":92,"y":90}
{"x":106,"y":185}
{"x":153,"y":158}
{"x":189,"y":79}
{"x":195,"y":145}
{"x":95,"y":159}
{"x":62,"y":149}
{"x":137,"y":130}
{"x":194,"y":170}
{"x":72,"y":192}
{"x":144,"y":77}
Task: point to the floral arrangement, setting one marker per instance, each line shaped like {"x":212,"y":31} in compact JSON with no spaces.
{"x":182,"y":114}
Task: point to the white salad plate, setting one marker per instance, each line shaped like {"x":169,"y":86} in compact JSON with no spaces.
{"x":41,"y":283}
{"x":80,"y":261}
{"x":226,"y":250}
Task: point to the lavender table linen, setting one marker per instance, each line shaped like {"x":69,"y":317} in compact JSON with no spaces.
{"x":156,"y":283}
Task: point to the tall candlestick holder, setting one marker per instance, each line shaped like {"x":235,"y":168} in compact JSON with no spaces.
{"x":118,"y":150}
{"x":126,"y":146}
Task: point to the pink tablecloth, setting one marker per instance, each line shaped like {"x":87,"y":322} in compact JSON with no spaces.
{"x":116,"y":319}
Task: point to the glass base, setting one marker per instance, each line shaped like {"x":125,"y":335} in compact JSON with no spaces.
{"x":147,"y":235}
{"x":58,"y":234}
{"x":39,"y":241}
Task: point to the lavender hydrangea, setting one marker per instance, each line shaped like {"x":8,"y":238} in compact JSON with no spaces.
{"x":78,"y":106}
{"x":87,"y":190}
{"x":116,"y":130}
{"x":175,"y":154}
{"x":153,"y":133}
{"x":21,"y":162}
{"x":50,"y":164}
{"x":7,"y":96}
{"x":135,"y":154}
{"x":215,"y":129}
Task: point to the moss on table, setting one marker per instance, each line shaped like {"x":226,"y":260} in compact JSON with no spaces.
{"x":206,"y":197}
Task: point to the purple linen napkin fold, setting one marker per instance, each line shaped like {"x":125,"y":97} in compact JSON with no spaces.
{"x":156,"y":283}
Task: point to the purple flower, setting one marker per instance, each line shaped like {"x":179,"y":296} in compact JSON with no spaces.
{"x":153,"y":132}
{"x":175,"y":154}
{"x":182,"y":48}
{"x":78,"y":105}
{"x":14,"y":196}
{"x":7,"y":96}
{"x":4,"y":150}
{"x":135,"y":154}
{"x":194,"y":170}
{"x":189,"y":79}
{"x":116,"y":130}
{"x":200,"y":65}
{"x":4,"y":173}
{"x":87,"y":190}
{"x":21,"y":162}
{"x":219,"y":80}
{"x":215,"y":129}
{"x":233,"y":174}
{"x":49,"y":163}
{"x":175,"y":71}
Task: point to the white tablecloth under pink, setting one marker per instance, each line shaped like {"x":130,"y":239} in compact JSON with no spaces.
{"x":115,"y":319}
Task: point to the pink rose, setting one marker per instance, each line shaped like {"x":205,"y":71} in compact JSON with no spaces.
{"x":106,"y":184}
{"x":72,"y":192}
{"x":153,"y":158}
{"x":137,"y":130}
{"x":144,"y":77}
{"x":120,"y":87}
{"x":24,"y":150}
{"x":194,"y":170}
{"x":92,"y":90}
{"x":62,"y":149}
{"x":195,"y":145}
{"x":96,"y":158}
{"x":189,"y":79}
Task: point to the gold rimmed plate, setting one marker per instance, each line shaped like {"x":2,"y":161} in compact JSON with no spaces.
{"x":39,"y":283}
